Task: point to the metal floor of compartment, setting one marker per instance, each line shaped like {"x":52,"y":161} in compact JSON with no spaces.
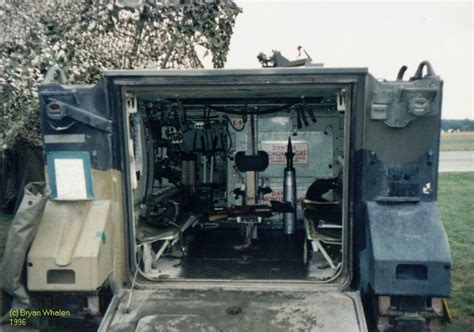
{"x":210,"y":254}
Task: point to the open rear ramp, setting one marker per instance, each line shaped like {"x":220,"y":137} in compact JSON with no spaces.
{"x":223,"y":310}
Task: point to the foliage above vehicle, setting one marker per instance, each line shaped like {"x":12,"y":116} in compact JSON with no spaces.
{"x":86,"y":37}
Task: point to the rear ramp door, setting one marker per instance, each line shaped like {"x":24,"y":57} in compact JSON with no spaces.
{"x":224,"y":310}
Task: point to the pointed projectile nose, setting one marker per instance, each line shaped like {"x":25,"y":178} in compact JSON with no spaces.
{"x":289,"y":154}
{"x":289,"y":148}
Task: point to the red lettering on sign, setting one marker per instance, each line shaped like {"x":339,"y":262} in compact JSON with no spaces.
{"x":276,"y":152}
{"x":276,"y":195}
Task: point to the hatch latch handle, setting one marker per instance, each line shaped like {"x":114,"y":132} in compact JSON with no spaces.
{"x":57,"y":110}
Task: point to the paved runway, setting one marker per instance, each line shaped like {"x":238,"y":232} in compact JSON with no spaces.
{"x":456,"y":161}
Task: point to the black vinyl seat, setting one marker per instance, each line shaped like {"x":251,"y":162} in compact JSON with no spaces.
{"x":321,"y":211}
{"x":249,"y":163}
{"x":323,"y":218}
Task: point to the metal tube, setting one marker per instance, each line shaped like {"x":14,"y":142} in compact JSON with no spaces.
{"x":251,"y":177}
{"x":289,"y":195}
{"x":204,"y":169}
{"x":289,"y":191}
{"x":211,"y":174}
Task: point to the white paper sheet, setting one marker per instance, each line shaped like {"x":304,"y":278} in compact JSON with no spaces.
{"x":70,"y":179}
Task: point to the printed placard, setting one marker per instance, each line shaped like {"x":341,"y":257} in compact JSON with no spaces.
{"x":70,"y":179}
{"x":70,"y":175}
{"x":276,"y":152}
{"x":275,"y":195}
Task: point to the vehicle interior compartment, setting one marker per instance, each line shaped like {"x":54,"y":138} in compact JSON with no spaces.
{"x":243,"y":184}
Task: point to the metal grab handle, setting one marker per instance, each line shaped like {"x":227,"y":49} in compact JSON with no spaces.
{"x":401,"y":73}
{"x":429,"y":71}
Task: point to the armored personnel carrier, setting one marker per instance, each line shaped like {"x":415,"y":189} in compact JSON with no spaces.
{"x":266,"y":199}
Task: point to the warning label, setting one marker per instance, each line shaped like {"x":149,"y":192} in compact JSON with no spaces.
{"x":276,"y":152}
{"x":276,"y":195}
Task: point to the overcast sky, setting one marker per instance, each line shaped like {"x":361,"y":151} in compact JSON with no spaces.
{"x":382,"y":36}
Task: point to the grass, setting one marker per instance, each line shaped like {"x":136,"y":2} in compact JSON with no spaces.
{"x":456,"y":192}
{"x":462,"y":141}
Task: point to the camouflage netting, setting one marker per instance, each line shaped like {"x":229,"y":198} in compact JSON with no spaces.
{"x":85,"y":37}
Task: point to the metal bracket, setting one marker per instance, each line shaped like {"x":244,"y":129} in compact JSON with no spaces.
{"x":341,"y":100}
{"x":55,"y":75}
{"x":131,"y":103}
